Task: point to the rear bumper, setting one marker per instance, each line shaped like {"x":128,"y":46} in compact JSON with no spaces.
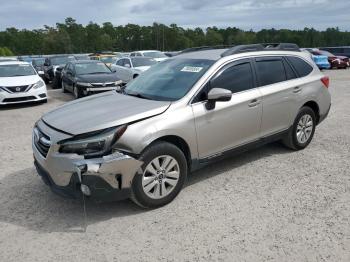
{"x":324,"y":116}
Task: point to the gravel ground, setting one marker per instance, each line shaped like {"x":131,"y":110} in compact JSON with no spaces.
{"x":270,"y":204}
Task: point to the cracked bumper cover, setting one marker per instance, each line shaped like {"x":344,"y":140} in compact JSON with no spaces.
{"x":109,"y":178}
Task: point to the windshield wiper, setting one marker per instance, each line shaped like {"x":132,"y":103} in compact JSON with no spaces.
{"x":137,"y":95}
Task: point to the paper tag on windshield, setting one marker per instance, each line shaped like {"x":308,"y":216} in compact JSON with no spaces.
{"x":191,"y":69}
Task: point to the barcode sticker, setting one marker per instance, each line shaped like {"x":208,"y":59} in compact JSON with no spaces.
{"x":191,"y":69}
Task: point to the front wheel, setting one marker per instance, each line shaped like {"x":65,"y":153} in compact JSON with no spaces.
{"x":77,"y":92}
{"x":302,"y":131}
{"x":63,"y":87}
{"x":164,"y":172}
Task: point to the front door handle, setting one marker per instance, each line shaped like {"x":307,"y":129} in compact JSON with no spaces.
{"x":297,"y":89}
{"x":254,"y":103}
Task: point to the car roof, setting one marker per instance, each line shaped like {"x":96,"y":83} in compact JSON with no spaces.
{"x":13,"y":63}
{"x":212,"y":54}
{"x":85,"y":62}
{"x":216,"y":54}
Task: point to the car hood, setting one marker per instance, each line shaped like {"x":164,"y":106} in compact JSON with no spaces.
{"x":19,"y":80}
{"x":98,"y":78}
{"x":102,"y":111}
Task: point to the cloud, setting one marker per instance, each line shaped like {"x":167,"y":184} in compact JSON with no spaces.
{"x":246,"y":14}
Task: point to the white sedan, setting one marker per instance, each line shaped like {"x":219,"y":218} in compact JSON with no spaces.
{"x":19,"y":83}
{"x":128,"y":68}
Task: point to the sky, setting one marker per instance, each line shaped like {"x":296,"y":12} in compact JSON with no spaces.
{"x":245,"y":14}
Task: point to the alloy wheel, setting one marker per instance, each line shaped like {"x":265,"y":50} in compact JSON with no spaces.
{"x":304,"y":129}
{"x":160,"y":177}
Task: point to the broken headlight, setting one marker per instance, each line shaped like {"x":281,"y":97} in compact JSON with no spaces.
{"x":94,"y":144}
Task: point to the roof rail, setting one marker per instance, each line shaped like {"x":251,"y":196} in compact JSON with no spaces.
{"x":202,"y":48}
{"x":282,"y":46}
{"x":242,"y":49}
{"x":261,"y":47}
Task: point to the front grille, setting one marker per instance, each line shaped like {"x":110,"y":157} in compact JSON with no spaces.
{"x":18,"y":99}
{"x":42,"y":142}
{"x":112,"y":84}
{"x":17,"y":89}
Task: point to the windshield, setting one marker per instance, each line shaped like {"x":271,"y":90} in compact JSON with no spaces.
{"x":82,"y":57}
{"x":109,"y":59}
{"x":16,"y":70}
{"x":38,"y":61}
{"x":91,"y":68}
{"x":154,"y":54}
{"x":142,"y":61}
{"x":61,"y":60}
{"x":169,"y":80}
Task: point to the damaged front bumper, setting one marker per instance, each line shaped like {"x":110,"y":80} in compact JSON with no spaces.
{"x":102,"y":179}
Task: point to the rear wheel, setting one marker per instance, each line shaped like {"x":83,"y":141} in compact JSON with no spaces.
{"x":164,"y":172}
{"x":302,"y":132}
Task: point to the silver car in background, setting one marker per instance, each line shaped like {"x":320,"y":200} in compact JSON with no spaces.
{"x":178,"y":116}
{"x":129,"y":68}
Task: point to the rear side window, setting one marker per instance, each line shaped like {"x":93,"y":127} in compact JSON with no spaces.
{"x":289,"y":71}
{"x":235,"y":78}
{"x":270,"y":71}
{"x":302,"y":68}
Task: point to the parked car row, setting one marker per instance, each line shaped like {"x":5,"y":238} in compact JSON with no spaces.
{"x":122,"y":68}
{"x":327,"y":60}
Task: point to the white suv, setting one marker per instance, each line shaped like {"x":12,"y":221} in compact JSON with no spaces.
{"x":19,"y":82}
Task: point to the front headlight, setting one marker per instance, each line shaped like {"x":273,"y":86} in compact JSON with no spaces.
{"x":93,"y":145}
{"x":83,"y":84}
{"x":38,"y":84}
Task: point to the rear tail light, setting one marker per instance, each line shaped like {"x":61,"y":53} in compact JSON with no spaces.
{"x":325,"y":81}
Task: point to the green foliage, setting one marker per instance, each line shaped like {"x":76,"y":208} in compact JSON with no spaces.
{"x":72,"y":37}
{"x":4,"y":51}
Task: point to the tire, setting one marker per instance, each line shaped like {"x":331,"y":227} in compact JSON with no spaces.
{"x":77,"y":92}
{"x":47,"y":81}
{"x":63,"y":87}
{"x":55,"y":83}
{"x":302,"y":131}
{"x":156,"y":189}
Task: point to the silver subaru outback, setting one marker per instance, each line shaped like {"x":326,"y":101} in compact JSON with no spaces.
{"x":180,"y":115}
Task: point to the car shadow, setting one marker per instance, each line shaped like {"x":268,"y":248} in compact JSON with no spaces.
{"x":27,"y":202}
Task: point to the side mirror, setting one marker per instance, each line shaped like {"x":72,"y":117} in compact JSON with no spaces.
{"x":127,"y":65}
{"x":114,"y":70}
{"x":218,"y":95}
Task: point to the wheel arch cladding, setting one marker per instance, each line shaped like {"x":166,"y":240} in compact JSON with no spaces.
{"x":314,"y":106}
{"x":178,"y":142}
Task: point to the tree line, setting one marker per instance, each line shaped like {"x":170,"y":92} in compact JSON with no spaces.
{"x":72,"y":37}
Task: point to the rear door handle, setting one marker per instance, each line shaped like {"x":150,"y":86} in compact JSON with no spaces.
{"x":254,"y":102}
{"x":297,"y":89}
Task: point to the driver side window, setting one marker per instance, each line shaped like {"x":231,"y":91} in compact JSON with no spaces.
{"x":236,"y":77}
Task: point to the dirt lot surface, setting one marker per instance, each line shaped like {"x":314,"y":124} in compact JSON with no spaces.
{"x":270,"y":204}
